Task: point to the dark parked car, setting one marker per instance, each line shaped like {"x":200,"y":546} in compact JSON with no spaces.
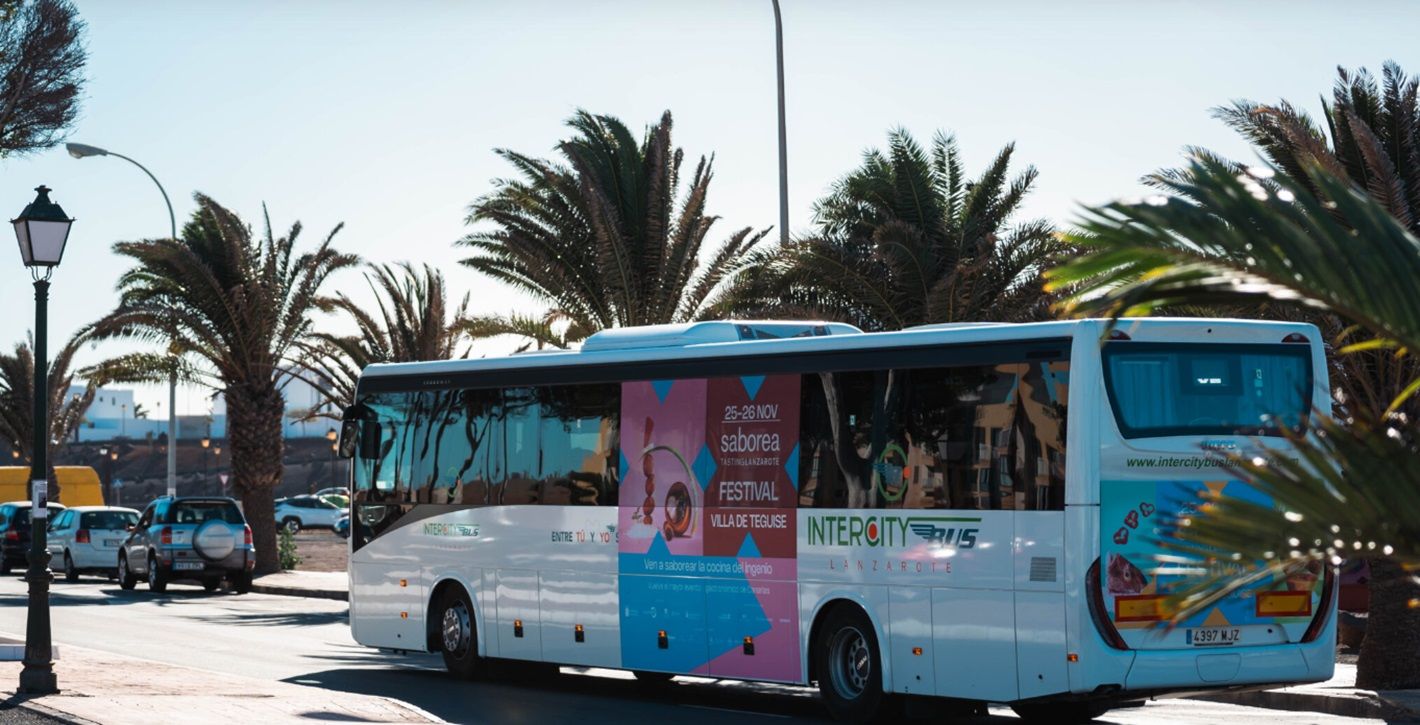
{"x":203,"y":539}
{"x":15,"y":534}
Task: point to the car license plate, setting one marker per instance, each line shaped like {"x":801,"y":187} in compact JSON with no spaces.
{"x":1213,"y":636}
{"x":111,"y":542}
{"x":186,"y":565}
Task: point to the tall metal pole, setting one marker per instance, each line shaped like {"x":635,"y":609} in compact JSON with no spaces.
{"x":783,"y":135}
{"x":80,"y":151}
{"x":37,"y":675}
{"x":172,"y":429}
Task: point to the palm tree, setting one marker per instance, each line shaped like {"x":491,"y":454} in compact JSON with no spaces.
{"x":230,"y":307}
{"x":66,"y":412}
{"x":606,"y":236}
{"x":1238,"y":239}
{"x":906,"y":239}
{"x":1370,"y":135}
{"x":413,"y":323}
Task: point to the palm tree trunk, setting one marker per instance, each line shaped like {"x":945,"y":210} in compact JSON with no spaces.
{"x":1390,"y":653}
{"x":254,"y":428}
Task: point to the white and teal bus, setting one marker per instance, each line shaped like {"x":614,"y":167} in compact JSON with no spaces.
{"x":958,"y":511}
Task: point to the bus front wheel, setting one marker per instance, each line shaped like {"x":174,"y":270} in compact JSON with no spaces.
{"x":456,"y":636}
{"x":848,"y":665}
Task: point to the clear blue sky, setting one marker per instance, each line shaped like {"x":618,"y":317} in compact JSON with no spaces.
{"x":384,"y":115}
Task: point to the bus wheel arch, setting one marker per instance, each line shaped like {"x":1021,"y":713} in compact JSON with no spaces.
{"x":841,"y":628}
{"x":451,"y":603}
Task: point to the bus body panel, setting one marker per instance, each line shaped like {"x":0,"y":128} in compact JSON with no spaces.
{"x":975,"y":631}
{"x":910,"y":644}
{"x":978,"y":604}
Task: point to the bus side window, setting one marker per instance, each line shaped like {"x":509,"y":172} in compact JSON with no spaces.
{"x":580,"y":442}
{"x":839,"y":438}
{"x":521,"y":447}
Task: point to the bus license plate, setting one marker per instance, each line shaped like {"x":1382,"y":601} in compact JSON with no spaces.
{"x":1213,"y":636}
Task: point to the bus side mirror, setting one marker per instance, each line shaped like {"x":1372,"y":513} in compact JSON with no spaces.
{"x":359,"y":436}
{"x":349,"y":435}
{"x":370,"y":444}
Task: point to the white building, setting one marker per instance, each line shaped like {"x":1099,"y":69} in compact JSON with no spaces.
{"x":111,"y":416}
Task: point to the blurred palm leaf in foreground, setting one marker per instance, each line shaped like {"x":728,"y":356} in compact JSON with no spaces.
{"x":1221,"y":238}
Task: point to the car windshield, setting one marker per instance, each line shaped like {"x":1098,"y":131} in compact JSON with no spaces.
{"x":199,"y":512}
{"x":112,"y":520}
{"x":1168,"y":389}
{"x":21,"y":518}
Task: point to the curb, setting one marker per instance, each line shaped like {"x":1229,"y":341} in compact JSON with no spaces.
{"x":1357,"y":703}
{"x":53,"y":714}
{"x":282,"y":591}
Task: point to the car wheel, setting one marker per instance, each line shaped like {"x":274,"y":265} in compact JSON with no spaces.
{"x":456,"y":636}
{"x":241,"y":582}
{"x":126,"y":579}
{"x":157,"y":582}
{"x":210,"y":585}
{"x":70,"y":573}
{"x":5,"y":566}
{"x":291,"y":524}
{"x":848,"y":664}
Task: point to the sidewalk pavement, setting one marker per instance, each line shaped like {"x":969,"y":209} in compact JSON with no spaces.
{"x":99,"y":687}
{"x":1337,"y":696}
{"x":296,"y":583}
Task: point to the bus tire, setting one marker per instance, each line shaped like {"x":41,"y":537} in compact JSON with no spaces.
{"x":849,"y":665}
{"x":456,"y":633}
{"x":1061,"y":712}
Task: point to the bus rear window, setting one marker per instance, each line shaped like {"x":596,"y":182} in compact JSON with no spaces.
{"x":1170,"y":389}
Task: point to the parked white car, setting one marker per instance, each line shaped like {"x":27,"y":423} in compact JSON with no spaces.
{"x":87,"y":539}
{"x":305,"y":512}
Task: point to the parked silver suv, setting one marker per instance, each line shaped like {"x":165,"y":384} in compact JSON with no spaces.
{"x":205,"y":539}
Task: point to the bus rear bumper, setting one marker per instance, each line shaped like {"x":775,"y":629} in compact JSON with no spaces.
{"x":1177,"y":669}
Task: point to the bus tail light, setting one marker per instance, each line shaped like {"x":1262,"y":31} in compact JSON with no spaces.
{"x":1328,"y":590}
{"x":165,"y":535}
{"x":1095,"y":598}
{"x":81,"y":536}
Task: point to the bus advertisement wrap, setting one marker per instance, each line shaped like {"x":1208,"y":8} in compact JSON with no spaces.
{"x":708,"y":532}
{"x":1134,"y":516}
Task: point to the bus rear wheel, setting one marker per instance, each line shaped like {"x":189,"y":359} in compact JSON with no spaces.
{"x":456,"y":636}
{"x":848,"y":665}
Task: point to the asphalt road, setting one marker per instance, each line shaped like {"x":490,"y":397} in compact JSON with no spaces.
{"x":306,"y":641}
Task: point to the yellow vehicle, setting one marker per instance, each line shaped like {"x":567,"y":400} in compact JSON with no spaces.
{"x":78,"y":485}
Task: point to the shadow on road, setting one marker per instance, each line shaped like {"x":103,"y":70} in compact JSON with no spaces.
{"x":541,"y":694}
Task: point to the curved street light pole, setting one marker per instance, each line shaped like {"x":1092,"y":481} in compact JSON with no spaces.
{"x":79,"y":151}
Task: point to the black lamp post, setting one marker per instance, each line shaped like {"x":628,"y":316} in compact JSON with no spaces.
{"x":42,"y":230}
